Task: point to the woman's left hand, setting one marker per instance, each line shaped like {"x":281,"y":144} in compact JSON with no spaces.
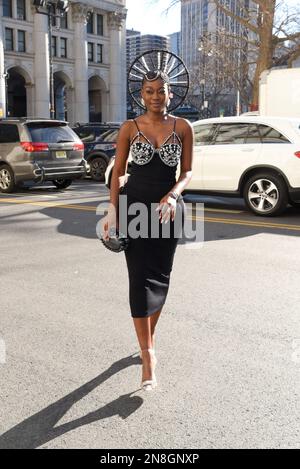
{"x":167,"y":208}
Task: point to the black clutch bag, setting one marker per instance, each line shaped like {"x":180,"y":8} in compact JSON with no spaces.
{"x":117,"y":241}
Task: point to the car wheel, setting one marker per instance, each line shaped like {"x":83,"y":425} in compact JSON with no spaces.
{"x":62,"y":183}
{"x":97,"y":168}
{"x":7,"y":179}
{"x":266,"y":194}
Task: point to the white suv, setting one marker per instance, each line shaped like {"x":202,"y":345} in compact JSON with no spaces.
{"x":254,"y":157}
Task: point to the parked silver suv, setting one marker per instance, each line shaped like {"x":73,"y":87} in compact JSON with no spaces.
{"x":39,"y":150}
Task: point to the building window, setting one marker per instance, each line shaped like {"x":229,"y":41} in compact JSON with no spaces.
{"x":90,"y":24}
{"x":99,"y":53}
{"x":63,"y":47}
{"x":21,"y":41}
{"x":90,"y":52}
{"x":52,"y":10}
{"x":100,"y":25}
{"x":64,"y":21}
{"x":7,"y":8}
{"x":54,"y":46}
{"x":21,"y":12}
{"x":9,"y":40}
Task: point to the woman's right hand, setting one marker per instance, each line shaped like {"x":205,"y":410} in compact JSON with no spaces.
{"x":108,"y":222}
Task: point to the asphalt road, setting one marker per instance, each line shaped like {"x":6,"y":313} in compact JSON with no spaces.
{"x":228,"y":340}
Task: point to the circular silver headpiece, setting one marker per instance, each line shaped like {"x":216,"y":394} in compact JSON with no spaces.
{"x":159,"y":63}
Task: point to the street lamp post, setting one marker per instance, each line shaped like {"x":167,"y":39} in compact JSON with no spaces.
{"x":62,"y":7}
{"x":50,"y":30}
{"x":202,"y":81}
{"x":4,"y":105}
{"x":205,"y":112}
{"x":6,"y":76}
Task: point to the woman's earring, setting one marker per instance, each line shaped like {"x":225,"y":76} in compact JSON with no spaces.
{"x":169,"y":100}
{"x":143,"y":102}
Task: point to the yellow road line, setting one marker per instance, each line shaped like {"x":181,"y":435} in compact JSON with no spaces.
{"x":222,"y":210}
{"x":91,"y":207}
{"x":236,"y":221}
{"x":88,"y":208}
{"x":233,"y":221}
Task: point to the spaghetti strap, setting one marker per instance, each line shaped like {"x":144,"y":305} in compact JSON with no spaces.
{"x":141,"y":134}
{"x":136,"y":125}
{"x":138,"y":135}
{"x":175,"y":119}
{"x":174,"y":133}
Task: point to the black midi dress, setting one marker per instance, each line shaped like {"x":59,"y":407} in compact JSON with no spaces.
{"x":150,"y":255}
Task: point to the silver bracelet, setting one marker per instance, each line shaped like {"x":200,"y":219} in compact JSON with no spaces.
{"x":174,"y":195}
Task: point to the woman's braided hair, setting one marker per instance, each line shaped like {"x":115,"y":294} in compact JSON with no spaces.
{"x":153,"y":75}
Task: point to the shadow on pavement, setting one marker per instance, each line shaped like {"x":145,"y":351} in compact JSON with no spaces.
{"x":41,"y":428}
{"x":82,"y":222}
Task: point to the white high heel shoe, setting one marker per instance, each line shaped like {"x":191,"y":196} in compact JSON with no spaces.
{"x":149,"y":384}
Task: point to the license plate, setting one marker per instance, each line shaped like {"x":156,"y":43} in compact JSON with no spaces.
{"x":61,"y":154}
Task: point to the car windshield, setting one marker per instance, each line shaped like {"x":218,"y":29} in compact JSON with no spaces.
{"x":51,"y":133}
{"x":110,"y":136}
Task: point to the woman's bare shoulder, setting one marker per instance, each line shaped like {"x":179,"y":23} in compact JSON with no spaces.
{"x":127,"y":125}
{"x":183,"y":123}
{"x":183,"y":126}
{"x":126,"y":128}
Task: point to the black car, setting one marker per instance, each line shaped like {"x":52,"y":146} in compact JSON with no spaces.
{"x":99,"y":145}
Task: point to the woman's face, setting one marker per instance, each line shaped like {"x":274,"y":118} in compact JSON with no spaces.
{"x":156,"y":95}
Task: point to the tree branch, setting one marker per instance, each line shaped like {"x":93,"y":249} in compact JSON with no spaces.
{"x":238,"y":18}
{"x":288,"y":37}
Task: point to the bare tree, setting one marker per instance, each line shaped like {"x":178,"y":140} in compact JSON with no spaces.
{"x":273,"y":39}
{"x":212,"y":81}
{"x":223,"y":67}
{"x":269,"y":35}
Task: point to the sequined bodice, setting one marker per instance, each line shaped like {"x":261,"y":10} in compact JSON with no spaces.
{"x":143,"y":152}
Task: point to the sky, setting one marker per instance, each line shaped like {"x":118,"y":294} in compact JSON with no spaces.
{"x":148,"y":16}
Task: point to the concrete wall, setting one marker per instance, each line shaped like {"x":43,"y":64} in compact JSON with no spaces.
{"x":280,"y":92}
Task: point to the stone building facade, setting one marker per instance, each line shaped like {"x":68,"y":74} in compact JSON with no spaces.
{"x":89,"y":61}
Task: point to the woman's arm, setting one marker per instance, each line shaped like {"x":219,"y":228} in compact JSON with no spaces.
{"x":185,"y":172}
{"x":186,"y":157}
{"x":117,"y":179}
{"x":121,"y":161}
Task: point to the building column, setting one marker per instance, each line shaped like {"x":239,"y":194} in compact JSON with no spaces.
{"x":30,"y":99}
{"x":117,"y":82}
{"x":2,"y":72}
{"x":70,"y":101}
{"x":41,"y":65}
{"x":80,"y":12}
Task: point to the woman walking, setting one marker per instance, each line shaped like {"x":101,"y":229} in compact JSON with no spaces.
{"x":158,"y":142}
